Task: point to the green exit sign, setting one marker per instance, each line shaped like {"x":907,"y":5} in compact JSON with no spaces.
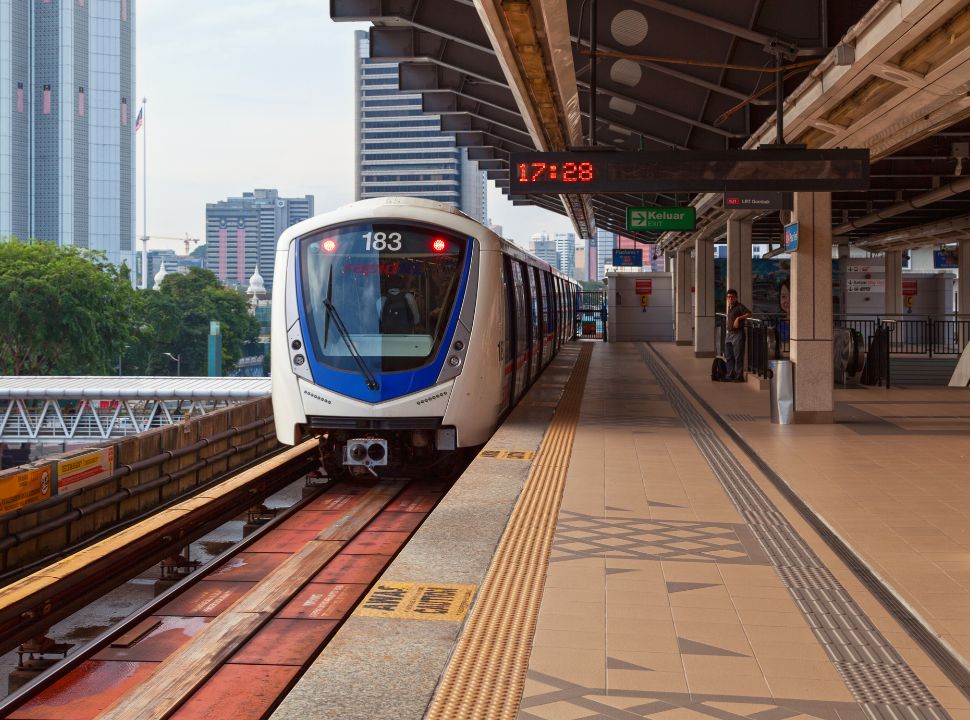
{"x":661,"y":218}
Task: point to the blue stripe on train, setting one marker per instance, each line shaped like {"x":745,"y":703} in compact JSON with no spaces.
{"x":392,"y":385}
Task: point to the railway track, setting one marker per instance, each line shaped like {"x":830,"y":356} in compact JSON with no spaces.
{"x":232,"y":639}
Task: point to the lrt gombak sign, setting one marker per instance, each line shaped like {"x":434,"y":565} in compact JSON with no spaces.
{"x":688,"y":171}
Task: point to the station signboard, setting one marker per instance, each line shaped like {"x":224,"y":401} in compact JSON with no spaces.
{"x":628,"y":258}
{"x":781,"y":170}
{"x":946,"y":259}
{"x":644,"y":287}
{"x":646,"y":218}
{"x":909,"y":288}
{"x":791,"y":237}
{"x":757,"y":200}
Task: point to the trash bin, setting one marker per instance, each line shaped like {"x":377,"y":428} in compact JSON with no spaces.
{"x":782,"y":393}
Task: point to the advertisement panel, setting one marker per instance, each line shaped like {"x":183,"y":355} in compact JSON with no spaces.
{"x":84,"y":468}
{"x":24,"y":486}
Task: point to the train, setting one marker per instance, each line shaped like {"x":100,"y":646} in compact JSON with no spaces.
{"x":403,"y":333}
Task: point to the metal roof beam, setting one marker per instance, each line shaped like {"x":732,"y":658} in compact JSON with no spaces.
{"x":405,"y":43}
{"x":730,"y":28}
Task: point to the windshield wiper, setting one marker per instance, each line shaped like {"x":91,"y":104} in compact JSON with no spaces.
{"x":369,"y":377}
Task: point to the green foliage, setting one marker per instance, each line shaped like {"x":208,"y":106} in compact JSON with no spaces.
{"x":176,"y":320}
{"x":592,"y":285}
{"x":63,"y":310}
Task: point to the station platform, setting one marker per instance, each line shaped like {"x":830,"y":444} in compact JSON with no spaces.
{"x":637,"y":541}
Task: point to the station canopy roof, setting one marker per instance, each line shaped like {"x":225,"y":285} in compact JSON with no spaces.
{"x":514,"y":75}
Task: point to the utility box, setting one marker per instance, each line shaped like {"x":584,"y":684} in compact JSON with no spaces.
{"x":640,"y":306}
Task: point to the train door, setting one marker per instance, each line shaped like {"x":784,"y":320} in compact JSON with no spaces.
{"x":535,"y":346}
{"x":522,"y":345}
{"x":547,"y":314}
{"x":553,"y":312}
{"x":509,"y":355}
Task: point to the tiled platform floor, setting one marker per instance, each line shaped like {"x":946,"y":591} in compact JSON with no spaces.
{"x":661,"y":602}
{"x":891,"y":477}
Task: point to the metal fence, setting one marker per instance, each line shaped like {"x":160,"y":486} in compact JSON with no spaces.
{"x":927,"y":335}
{"x":591,"y":314}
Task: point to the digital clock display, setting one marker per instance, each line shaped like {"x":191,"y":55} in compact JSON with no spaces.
{"x":565,"y":172}
{"x":778,"y":170}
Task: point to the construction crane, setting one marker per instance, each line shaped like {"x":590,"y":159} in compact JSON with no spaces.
{"x":145,"y":238}
{"x":186,"y":239}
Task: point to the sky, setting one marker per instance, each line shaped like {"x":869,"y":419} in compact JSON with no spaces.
{"x":253,"y":94}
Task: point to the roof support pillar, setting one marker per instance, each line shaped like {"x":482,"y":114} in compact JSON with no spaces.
{"x":704,"y":297}
{"x":894,"y":282}
{"x":739,"y":259}
{"x":811,"y":310}
{"x":683,"y":298}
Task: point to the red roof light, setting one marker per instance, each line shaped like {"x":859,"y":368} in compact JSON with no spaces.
{"x":329,"y":245}
{"x":439,"y":245}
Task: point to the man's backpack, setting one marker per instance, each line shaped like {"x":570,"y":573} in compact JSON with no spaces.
{"x":396,"y":316}
{"x":718,"y":369}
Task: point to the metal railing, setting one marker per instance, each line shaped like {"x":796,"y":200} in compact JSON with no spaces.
{"x":591,"y":314}
{"x":929,"y":335}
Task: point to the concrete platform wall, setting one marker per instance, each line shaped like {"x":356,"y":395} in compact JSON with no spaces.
{"x":629,"y":319}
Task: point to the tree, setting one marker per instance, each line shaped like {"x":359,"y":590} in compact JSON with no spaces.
{"x":176,"y":320}
{"x":63,"y":310}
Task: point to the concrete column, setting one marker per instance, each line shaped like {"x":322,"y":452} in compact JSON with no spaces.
{"x":704,"y":298}
{"x":739,"y":259}
{"x":894,"y":282}
{"x":811,"y":309}
{"x":683,"y":310}
{"x":963,"y":281}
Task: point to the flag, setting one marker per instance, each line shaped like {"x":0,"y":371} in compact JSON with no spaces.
{"x":140,"y":120}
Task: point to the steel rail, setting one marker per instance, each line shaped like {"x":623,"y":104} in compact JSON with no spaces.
{"x":30,"y":606}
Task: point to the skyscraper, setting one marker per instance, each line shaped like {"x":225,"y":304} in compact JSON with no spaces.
{"x":544,"y":248}
{"x":402,"y":151}
{"x":566,"y":252}
{"x":605,"y":242}
{"x":241,"y":233}
{"x":66,"y":123}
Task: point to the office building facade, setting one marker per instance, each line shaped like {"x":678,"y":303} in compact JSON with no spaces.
{"x":402,"y":151}
{"x":241,"y":233}
{"x":566,"y":252}
{"x":67,"y":124}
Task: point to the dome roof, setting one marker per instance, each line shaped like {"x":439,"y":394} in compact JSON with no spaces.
{"x":256,"y":284}
{"x":159,"y":276}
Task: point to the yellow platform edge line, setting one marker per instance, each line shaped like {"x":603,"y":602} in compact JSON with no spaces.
{"x":486,"y":675}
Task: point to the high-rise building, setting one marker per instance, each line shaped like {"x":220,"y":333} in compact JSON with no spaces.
{"x":544,"y":248}
{"x":241,"y":233}
{"x":401,"y":150}
{"x":566,"y":252}
{"x":67,"y":157}
{"x":605,"y":242}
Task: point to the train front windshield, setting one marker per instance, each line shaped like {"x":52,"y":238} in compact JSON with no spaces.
{"x":382,"y":292}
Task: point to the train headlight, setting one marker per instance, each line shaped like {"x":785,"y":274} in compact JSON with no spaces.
{"x":376,"y":452}
{"x":298,"y":359}
{"x":358,"y":452}
{"x":458,"y":346}
{"x":296,"y":344}
{"x":454,"y":361}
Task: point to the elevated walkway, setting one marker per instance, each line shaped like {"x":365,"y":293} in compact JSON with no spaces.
{"x":651,"y":567}
{"x":85,"y":409}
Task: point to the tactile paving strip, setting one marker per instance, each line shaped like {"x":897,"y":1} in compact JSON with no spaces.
{"x":878,"y":678}
{"x":486,"y":675}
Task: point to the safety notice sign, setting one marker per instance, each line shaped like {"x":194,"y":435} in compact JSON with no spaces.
{"x":417,"y":601}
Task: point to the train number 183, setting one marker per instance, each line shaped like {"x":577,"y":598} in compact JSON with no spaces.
{"x":380,"y":241}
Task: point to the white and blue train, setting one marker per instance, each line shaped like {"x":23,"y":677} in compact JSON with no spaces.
{"x":404,"y":331}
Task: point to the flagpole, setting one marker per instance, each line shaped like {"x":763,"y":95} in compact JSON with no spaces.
{"x":144,"y":190}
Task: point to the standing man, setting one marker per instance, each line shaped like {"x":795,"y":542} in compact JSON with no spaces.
{"x":734,"y":341}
